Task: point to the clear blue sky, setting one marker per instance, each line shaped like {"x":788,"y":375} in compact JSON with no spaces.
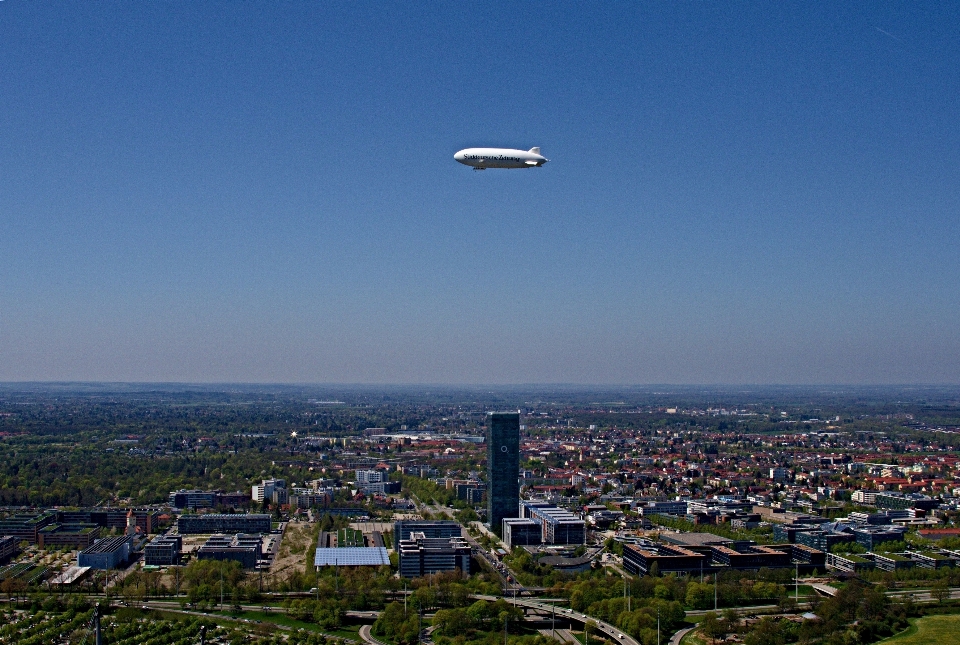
{"x":751,"y":192}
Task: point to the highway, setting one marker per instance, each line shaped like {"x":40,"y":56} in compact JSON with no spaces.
{"x":564,"y":613}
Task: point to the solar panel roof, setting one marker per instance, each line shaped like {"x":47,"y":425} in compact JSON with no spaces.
{"x":351,"y":556}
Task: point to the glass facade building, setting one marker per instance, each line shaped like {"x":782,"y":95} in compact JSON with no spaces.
{"x":503,"y":468}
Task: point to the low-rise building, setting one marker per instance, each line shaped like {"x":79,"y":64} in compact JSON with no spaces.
{"x":849,"y":562}
{"x":193,"y":498}
{"x":892,"y":561}
{"x":889,"y":499}
{"x":245,"y":549}
{"x":26,"y":526}
{"x":823,"y":540}
{"x":749,"y":557}
{"x":163,"y":550}
{"x":74,"y":536}
{"x":640,"y":559}
{"x":224,"y":523}
{"x":108,"y":553}
{"x":664,"y":508}
{"x":147,"y":520}
{"x":870,"y":536}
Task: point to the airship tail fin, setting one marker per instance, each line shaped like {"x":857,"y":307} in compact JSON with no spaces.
{"x":535,"y":151}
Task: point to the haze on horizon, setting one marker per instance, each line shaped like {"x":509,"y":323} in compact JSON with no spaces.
{"x":221,"y":192}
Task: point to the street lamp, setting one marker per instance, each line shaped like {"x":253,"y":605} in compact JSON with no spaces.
{"x":797,"y":581}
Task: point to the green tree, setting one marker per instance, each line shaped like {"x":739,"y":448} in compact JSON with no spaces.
{"x":940,"y":591}
{"x":712,"y":627}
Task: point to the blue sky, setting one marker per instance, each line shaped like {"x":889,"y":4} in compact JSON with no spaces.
{"x":265,"y":192}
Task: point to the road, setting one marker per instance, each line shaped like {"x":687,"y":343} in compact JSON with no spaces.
{"x":367,"y":637}
{"x":823,"y":589}
{"x":500,"y":568}
{"x":676,"y":638}
{"x":610,"y":630}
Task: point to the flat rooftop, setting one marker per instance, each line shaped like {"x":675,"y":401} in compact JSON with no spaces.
{"x":695,"y":539}
{"x":351,"y":556}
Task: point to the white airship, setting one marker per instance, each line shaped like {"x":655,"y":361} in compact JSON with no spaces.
{"x":483,"y":158}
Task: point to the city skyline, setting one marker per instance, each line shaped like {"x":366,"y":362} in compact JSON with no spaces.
{"x":222,"y":193}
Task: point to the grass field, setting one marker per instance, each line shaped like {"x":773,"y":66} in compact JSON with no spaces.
{"x":929,"y":630}
{"x":692,"y":638}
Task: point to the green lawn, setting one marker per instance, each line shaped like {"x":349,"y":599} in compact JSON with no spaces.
{"x":929,"y":630}
{"x":692,"y":638}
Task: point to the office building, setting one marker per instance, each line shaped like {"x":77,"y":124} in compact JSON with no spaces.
{"x":639,"y":559}
{"x":664,"y":508}
{"x":788,"y":532}
{"x":8,"y":548}
{"x":193,"y":498}
{"x":806,"y":558}
{"x":351,"y":556}
{"x":750,"y":557}
{"x":503,"y":467}
{"x":26,"y":526}
{"x":402,"y":529}
{"x":245,"y":549}
{"x":519,"y":531}
{"x":823,"y":540}
{"x":74,"y":536}
{"x":870,"y":536}
{"x":163,"y":551}
{"x":381,"y":488}
{"x":146,"y":520}
{"x":223,"y":523}
{"x":849,"y":562}
{"x":560,"y":526}
{"x":420,"y":555}
{"x":905,"y":500}
{"x":236,"y":499}
{"x":472,"y":493}
{"x":108,"y":553}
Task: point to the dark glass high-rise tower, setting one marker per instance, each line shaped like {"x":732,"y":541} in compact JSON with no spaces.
{"x":503,"y":468}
